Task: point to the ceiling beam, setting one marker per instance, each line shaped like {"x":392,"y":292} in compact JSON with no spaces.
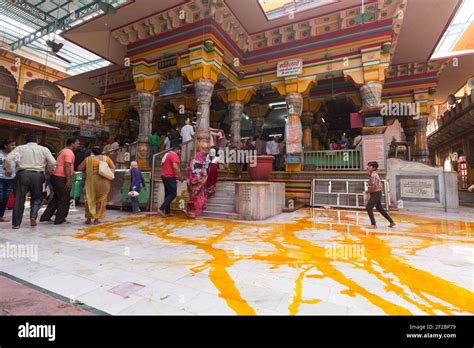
{"x":34,"y":10}
{"x":61,"y":24}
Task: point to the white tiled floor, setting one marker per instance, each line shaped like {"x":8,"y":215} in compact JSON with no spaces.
{"x":274,"y":267}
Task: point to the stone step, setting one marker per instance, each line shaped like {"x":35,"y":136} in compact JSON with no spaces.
{"x":223,"y":194}
{"x":211,"y":206}
{"x":221,"y":200}
{"x":220,"y":215}
{"x":220,"y":207}
{"x":212,"y":214}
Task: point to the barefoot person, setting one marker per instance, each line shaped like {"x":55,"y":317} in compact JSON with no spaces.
{"x":31,"y":162}
{"x":375,"y":191}
{"x":97,"y":186}
{"x":170,"y":173}
{"x":137,"y":181}
{"x":197,"y":178}
{"x":61,"y":180}
{"x":6,"y":183}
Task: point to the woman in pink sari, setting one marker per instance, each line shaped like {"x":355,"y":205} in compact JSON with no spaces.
{"x":197,"y":177}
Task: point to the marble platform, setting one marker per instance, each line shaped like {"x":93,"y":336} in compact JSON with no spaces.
{"x":259,"y":200}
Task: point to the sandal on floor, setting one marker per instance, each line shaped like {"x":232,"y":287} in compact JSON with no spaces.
{"x":88,"y":221}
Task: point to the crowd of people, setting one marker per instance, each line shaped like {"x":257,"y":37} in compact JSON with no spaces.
{"x":26,"y":170}
{"x":345,"y":142}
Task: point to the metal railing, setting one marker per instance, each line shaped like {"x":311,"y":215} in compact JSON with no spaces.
{"x":333,"y":160}
{"x":343,"y":193}
{"x":124,"y":155}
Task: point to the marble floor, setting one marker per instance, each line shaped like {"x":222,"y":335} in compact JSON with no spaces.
{"x":312,"y":261}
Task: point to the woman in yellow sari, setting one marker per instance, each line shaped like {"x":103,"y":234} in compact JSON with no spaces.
{"x":97,"y":187}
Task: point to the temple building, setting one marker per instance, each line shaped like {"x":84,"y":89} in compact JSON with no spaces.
{"x":238,"y":157}
{"x":309,"y":72}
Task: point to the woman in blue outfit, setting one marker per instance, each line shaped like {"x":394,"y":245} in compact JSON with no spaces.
{"x":136,"y":181}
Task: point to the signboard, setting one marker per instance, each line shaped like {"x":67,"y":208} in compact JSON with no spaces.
{"x":168,"y":63}
{"x":373,"y":149}
{"x":171,"y":86}
{"x":90,"y":131}
{"x":290,"y":67}
{"x":418,"y":188}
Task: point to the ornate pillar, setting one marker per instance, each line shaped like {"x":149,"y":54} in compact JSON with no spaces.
{"x":236,"y":98}
{"x":410,"y":139}
{"x":235,"y":110}
{"x":421,"y":143}
{"x":257,"y":113}
{"x":317,"y":137}
{"x":146,"y":102}
{"x":307,"y":121}
{"x":203,"y":89}
{"x":294,"y":89}
{"x":257,"y":123}
{"x":293,"y":130}
{"x":371,"y":95}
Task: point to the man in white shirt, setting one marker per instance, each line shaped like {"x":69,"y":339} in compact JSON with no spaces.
{"x":31,"y":162}
{"x":187,"y":133}
{"x":273,"y":150}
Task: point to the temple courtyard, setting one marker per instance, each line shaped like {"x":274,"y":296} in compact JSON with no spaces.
{"x":312,"y":261}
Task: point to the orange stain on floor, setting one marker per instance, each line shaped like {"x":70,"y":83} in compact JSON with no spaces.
{"x":292,"y":250}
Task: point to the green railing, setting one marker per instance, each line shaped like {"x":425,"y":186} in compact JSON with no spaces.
{"x":333,"y":160}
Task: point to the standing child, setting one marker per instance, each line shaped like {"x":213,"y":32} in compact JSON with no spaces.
{"x":375,"y":192}
{"x":136,"y":179}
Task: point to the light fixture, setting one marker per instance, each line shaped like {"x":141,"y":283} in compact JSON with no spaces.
{"x":277,"y":104}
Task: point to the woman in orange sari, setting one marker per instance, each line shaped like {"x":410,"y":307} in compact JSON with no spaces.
{"x":97,"y":187}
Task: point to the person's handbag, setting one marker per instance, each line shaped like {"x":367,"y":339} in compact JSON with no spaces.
{"x":105,"y":171}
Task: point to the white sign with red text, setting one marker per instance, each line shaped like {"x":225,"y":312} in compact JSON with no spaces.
{"x":289,"y":67}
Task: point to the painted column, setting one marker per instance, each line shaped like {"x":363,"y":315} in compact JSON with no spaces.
{"x":235,"y":110}
{"x":307,"y":120}
{"x":371,"y":95}
{"x":421,"y":143}
{"x":203,"y":89}
{"x":410,"y":139}
{"x":293,"y":131}
{"x":257,"y":113}
{"x":316,"y":132}
{"x":257,"y":123}
{"x":146,"y":102}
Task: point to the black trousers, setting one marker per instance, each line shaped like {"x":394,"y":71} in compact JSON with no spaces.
{"x":171,"y":190}
{"x":32,"y":182}
{"x":376,"y":201}
{"x":59,"y":204}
